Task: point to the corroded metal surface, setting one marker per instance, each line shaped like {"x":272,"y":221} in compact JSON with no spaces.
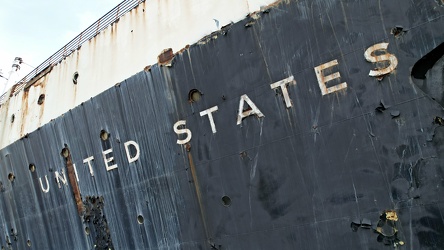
{"x":120,"y":44}
{"x":360,"y":167}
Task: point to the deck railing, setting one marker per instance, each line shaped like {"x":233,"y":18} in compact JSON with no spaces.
{"x":90,"y":32}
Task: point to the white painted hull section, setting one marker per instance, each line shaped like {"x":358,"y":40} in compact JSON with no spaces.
{"x":115,"y":54}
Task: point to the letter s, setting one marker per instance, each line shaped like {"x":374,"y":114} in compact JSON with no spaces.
{"x":182,"y":131}
{"x":381,"y":58}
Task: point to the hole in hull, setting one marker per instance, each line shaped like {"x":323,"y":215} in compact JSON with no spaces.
{"x":104,"y":135}
{"x":194,"y":95}
{"x":75,"y":76}
{"x":31,"y":167}
{"x":41,"y":99}
{"x":140,"y":219}
{"x":226,"y":201}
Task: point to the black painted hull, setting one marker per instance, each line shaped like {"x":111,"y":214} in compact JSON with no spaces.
{"x":312,"y":176}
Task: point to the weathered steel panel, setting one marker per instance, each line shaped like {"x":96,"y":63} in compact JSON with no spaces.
{"x":109,"y":51}
{"x":335,"y":171}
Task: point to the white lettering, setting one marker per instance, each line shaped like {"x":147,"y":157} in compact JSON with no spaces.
{"x":108,"y":160}
{"x":182,"y":131}
{"x":45,"y":190}
{"x":283,"y":84}
{"x":136,"y":146}
{"x":381,"y":58}
{"x":253,"y":109}
{"x":61,"y":178}
{"x":210,"y":117}
{"x":322,"y":80}
{"x":88,"y":160}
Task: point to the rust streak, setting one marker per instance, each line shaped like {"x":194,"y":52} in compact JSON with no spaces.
{"x":187,"y":47}
{"x":24,"y":112}
{"x":166,"y":57}
{"x":198,"y":191}
{"x":74,"y":184}
{"x":13,"y":88}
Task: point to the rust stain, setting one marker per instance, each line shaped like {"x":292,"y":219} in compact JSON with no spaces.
{"x":183,"y":49}
{"x":38,"y":83}
{"x":13,"y":89}
{"x":166,"y":57}
{"x":77,"y":59}
{"x":24,"y":111}
{"x":42,"y":108}
{"x":197,"y":188}
{"x":74,"y":184}
{"x":39,"y":79}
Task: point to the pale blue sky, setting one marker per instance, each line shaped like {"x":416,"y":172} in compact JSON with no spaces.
{"x":35,"y":29}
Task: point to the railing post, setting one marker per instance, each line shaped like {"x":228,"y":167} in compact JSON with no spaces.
{"x":117,"y":12}
{"x":98,"y":24}
{"x":80,"y":39}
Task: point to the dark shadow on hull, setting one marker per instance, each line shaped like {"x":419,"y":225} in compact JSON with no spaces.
{"x":428,"y":74}
{"x":427,"y":62}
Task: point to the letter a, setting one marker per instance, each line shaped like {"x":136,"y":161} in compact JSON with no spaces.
{"x":242,"y":114}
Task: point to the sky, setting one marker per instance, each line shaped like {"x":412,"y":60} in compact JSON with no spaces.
{"x":36,"y":29}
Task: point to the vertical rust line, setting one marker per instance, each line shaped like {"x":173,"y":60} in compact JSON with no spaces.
{"x":74,"y":184}
{"x":198,"y":192}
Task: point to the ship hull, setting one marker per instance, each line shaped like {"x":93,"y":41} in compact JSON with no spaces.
{"x":357,"y":168}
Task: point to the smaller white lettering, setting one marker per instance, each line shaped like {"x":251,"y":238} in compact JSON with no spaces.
{"x":210,"y":117}
{"x":128,"y":155}
{"x":108,"y":160}
{"x":45,"y":190}
{"x":60,"y":178}
{"x":182,"y":131}
{"x":132,"y":150}
{"x":88,"y":160}
{"x":322,"y":80}
{"x":253,"y":109}
{"x":283,"y":84}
